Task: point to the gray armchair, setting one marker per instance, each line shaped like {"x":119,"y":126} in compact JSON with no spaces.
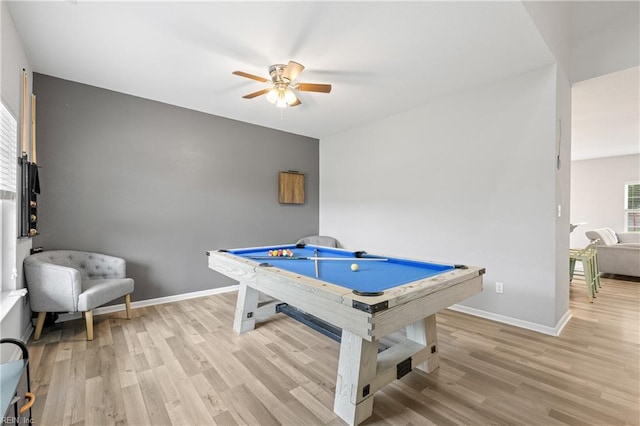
{"x":319,"y":240}
{"x":75,"y":281}
{"x":617,"y":253}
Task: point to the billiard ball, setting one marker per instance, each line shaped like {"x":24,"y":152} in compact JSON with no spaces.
{"x":354,"y":267}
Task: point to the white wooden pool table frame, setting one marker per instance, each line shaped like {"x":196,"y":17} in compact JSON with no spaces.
{"x":363,"y":320}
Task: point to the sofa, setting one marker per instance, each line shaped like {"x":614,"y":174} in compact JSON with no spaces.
{"x":617,"y":253}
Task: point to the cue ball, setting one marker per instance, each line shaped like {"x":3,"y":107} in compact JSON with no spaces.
{"x":354,"y":267}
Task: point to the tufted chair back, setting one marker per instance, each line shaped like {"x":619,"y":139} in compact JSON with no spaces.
{"x":90,"y":265}
{"x":319,"y":240}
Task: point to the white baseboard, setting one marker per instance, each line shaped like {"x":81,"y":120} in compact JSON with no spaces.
{"x":150,"y":302}
{"x":563,"y":321}
{"x":552,"y":331}
{"x":28,"y":331}
{"x":15,"y":353}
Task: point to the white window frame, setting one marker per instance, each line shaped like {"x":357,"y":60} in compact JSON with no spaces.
{"x":8,"y":153}
{"x":8,"y":196}
{"x":627,"y":210}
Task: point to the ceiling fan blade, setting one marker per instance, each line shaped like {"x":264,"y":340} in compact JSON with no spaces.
{"x":292,"y":70}
{"x":251,"y":76}
{"x":312,"y":87}
{"x":254,"y":94}
{"x":295,"y":103}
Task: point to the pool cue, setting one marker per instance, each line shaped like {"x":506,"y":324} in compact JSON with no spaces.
{"x":315,"y":253}
{"x":25,"y":126}
{"x":348,"y":259}
{"x":33,"y":129}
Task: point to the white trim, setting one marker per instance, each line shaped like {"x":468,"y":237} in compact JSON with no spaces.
{"x":28,"y":330}
{"x":552,"y":331}
{"x":16,"y":353}
{"x":627,"y":210}
{"x":9,"y":299}
{"x":150,"y":302}
{"x":8,"y":151}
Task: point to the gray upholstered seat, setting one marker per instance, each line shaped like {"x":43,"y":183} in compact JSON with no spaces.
{"x":75,"y":281}
{"x":319,"y":240}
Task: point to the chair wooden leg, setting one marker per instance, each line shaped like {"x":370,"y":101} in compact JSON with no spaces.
{"x":596,"y":270}
{"x":127,"y":305}
{"x":89,"y":320}
{"x":39,"y":325}
{"x":588,"y":278}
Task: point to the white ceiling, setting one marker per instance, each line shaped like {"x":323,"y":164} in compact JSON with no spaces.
{"x":382,"y":58}
{"x":605,"y":110}
{"x":605,"y":114}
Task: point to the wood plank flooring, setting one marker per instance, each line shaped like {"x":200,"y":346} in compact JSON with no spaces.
{"x":181,"y":364}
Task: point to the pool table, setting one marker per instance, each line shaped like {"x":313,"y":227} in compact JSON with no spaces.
{"x":383,"y":295}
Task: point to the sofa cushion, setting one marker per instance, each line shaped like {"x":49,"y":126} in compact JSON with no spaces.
{"x":629,"y":237}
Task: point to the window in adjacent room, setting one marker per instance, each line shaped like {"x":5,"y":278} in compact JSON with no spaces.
{"x":632,"y":207}
{"x":8,"y":166}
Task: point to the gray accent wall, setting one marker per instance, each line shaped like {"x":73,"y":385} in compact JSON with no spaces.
{"x":160,"y":185}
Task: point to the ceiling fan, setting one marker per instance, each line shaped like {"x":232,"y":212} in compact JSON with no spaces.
{"x":281,"y":90}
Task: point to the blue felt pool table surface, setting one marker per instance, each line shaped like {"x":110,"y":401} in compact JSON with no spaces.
{"x":371,"y":276}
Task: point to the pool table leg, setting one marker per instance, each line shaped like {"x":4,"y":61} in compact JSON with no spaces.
{"x":425,"y":333}
{"x":356,"y":372}
{"x":246,"y":307}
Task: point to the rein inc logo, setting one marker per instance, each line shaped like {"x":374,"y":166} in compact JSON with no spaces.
{"x":15,"y":421}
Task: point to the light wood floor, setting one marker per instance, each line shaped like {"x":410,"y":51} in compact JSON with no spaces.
{"x":181,"y":364}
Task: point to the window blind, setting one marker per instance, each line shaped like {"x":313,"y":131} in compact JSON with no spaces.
{"x":632,"y":207}
{"x":8,"y":153}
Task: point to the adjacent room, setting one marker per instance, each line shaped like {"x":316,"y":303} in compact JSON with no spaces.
{"x":320,"y":213}
{"x":605,"y":170}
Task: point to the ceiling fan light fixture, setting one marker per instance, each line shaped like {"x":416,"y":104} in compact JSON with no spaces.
{"x":282,"y":97}
{"x":281,"y":102}
{"x":289,"y":96}
{"x":282,"y":92}
{"x":272,"y":95}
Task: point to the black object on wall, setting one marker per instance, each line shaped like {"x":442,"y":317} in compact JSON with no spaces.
{"x":30,"y":188}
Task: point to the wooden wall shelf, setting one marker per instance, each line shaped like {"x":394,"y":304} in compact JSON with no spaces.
{"x":291,"y":187}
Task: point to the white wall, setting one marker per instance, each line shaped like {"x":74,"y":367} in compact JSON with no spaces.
{"x":597,"y":193}
{"x":563,"y":193}
{"x":553,"y":20}
{"x":16,"y":322}
{"x":466,"y":179}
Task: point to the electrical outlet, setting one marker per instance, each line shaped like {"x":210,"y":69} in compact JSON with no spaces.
{"x":499,"y":288}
